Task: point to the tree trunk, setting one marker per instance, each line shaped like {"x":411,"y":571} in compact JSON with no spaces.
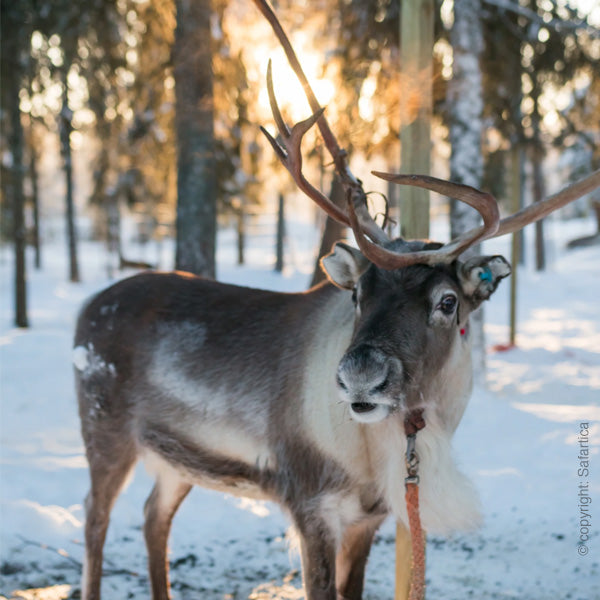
{"x":66,"y":128}
{"x":18,"y":199}
{"x":522,"y":193}
{"x":35,"y":201}
{"x":538,"y":195}
{"x":13,"y":32}
{"x":515,"y":253}
{"x":537,"y":159}
{"x":280,"y":234}
{"x":332,"y":232}
{"x":465,"y":107}
{"x":196,"y":176}
{"x":241,"y":235}
{"x":113,"y":233}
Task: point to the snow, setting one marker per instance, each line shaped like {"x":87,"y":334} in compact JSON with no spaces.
{"x":86,"y":360}
{"x":80,"y":358}
{"x":519,"y":442}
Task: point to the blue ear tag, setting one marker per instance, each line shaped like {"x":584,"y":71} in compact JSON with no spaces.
{"x":486,"y":275}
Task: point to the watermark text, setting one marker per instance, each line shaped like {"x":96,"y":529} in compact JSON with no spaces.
{"x":584,"y":500}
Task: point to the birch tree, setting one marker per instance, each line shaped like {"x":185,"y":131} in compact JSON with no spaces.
{"x":465,"y":108}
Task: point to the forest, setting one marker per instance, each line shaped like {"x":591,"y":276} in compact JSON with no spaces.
{"x":94,"y":86}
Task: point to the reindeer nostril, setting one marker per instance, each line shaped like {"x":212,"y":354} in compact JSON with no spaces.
{"x":378,"y":389}
{"x":341,"y":384}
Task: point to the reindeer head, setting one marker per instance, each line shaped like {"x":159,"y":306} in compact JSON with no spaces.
{"x":409,"y":322}
{"x":412,"y":299}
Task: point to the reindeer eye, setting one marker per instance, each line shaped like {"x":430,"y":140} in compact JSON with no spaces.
{"x":448,"y":304}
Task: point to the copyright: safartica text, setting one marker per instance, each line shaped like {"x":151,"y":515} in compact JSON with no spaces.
{"x":583,"y":495}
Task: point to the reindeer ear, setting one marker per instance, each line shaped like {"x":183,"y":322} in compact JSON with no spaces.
{"x":479,"y":276}
{"x":344,"y":265}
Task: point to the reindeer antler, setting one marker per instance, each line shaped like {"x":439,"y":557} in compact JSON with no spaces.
{"x":338,"y":154}
{"x":357,"y":216}
{"x":350,"y":183}
{"x":510,"y":224}
{"x":539,"y":210}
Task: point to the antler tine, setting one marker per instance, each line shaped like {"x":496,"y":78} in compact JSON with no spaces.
{"x":281,"y":125}
{"x":328,"y":136}
{"x":290,"y":153}
{"x":539,"y":210}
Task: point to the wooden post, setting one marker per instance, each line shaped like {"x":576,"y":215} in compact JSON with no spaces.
{"x":416,"y":51}
{"x":403,"y":561}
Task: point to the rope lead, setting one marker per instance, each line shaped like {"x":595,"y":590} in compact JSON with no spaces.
{"x":412,"y":424}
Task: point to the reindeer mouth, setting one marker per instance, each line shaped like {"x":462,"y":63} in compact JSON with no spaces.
{"x":363,"y":407}
{"x":368,"y":412}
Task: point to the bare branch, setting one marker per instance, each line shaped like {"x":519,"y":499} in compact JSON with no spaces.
{"x":558,"y":25}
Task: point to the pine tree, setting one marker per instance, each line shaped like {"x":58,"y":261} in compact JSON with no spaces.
{"x":194,"y":115}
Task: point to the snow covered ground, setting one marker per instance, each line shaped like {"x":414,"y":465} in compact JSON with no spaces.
{"x":518,"y":442}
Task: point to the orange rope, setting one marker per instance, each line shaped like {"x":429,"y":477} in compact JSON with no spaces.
{"x":417,"y":583}
{"x":413,"y":423}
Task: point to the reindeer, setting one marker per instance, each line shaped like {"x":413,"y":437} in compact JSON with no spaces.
{"x":295,"y":398}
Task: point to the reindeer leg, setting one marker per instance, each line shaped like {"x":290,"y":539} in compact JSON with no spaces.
{"x":108,"y":471}
{"x":351,"y":559}
{"x":318,"y":558}
{"x":162,"y":504}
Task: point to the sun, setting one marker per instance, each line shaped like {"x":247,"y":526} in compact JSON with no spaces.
{"x":288,"y":90}
{"x":259,"y":46}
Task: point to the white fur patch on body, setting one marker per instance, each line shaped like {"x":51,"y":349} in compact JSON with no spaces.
{"x":214,"y":403}
{"x":88,"y":362}
{"x":235,"y":443}
{"x":340,"y":511}
{"x":326,"y":417}
{"x":448,"y":500}
{"x":214,"y":432}
{"x":231,"y":425}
